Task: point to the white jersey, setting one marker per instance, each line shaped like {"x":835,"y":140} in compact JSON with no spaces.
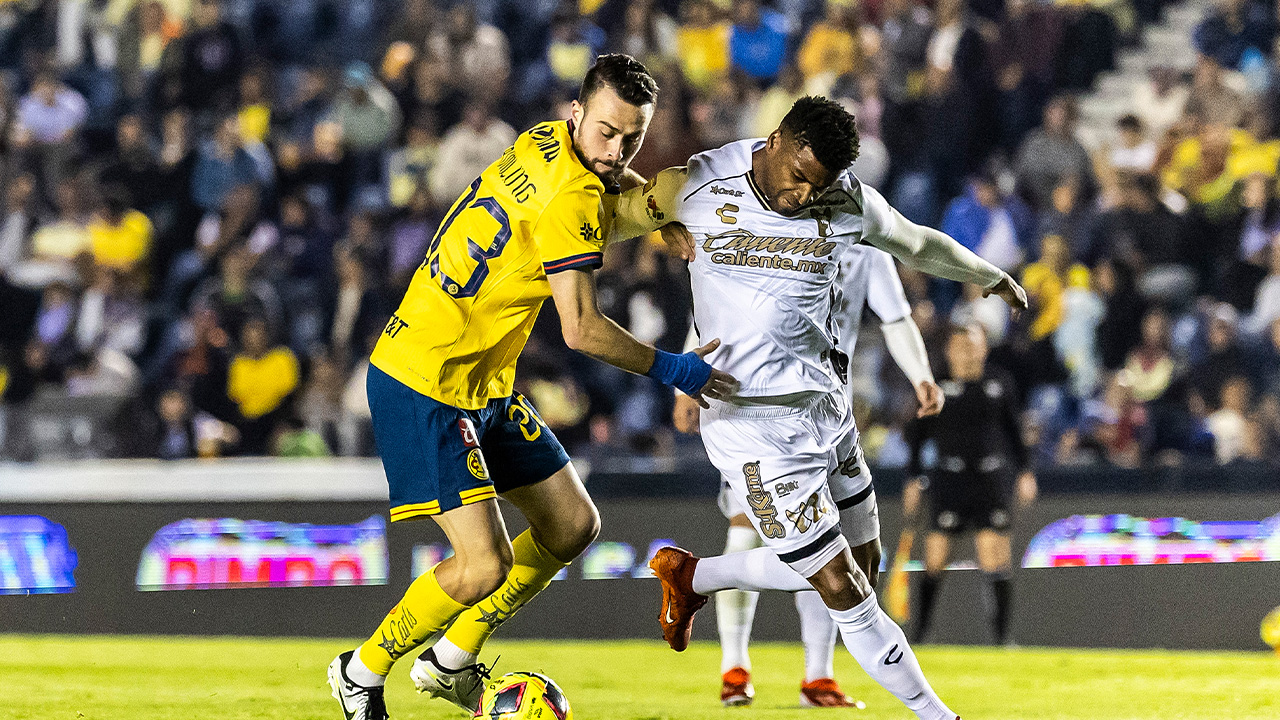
{"x":868,"y":276}
{"x":766,"y":284}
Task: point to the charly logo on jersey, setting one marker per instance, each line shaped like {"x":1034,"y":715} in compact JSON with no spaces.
{"x":745,"y":249}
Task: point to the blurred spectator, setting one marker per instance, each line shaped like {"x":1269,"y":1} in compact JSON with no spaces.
{"x":1231,"y":29}
{"x":1150,"y":365}
{"x":1229,"y":423}
{"x":63,"y":238}
{"x":1223,"y":359}
{"x":1133,"y":151}
{"x":1117,"y":425}
{"x":832,"y":48}
{"x":255,"y":107}
{"x":359,"y":310}
{"x":133,"y":167}
{"x":409,"y":237}
{"x":777,"y":101}
{"x":467,"y":150}
{"x":1210,"y":100}
{"x":721,"y":117}
{"x":1266,"y":305}
{"x":111,"y":315}
{"x":259,"y":380}
{"x":366,"y":112}
{"x":221,"y":164}
{"x":1070,"y":216}
{"x":575,"y":42}
{"x":1051,"y":153}
{"x":211,"y":62}
{"x":409,"y":167}
{"x":478,"y":55}
{"x":51,"y":114}
{"x":1159,"y":102}
{"x":703,"y":42}
{"x":1147,"y":238}
{"x":120,"y":236}
{"x":1046,"y":282}
{"x":647,"y":34}
{"x":17,"y":224}
{"x":982,"y":221}
{"x":176,"y":439}
{"x":758,"y":41}
{"x":234,"y":296}
{"x":906,"y":33}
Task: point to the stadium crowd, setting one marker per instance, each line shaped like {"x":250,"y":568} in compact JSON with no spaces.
{"x":211,"y":207}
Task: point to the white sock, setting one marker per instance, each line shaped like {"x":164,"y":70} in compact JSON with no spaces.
{"x":879,"y":646}
{"x":451,"y":656}
{"x":818,"y":631}
{"x":758,"y":569}
{"x":735,"y":609}
{"x":361,"y":674}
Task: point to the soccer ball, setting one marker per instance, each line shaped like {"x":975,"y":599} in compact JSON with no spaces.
{"x":1271,"y":629}
{"x":524,"y":696}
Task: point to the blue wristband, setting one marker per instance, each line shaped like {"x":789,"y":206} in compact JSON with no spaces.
{"x":686,"y":373}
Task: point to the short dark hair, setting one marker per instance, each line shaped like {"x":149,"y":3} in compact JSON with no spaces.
{"x":627,"y":76}
{"x":826,"y":128}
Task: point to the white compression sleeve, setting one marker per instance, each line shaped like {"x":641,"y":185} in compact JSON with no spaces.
{"x":907,"y":348}
{"x":758,"y":569}
{"x":935,"y":252}
{"x":736,"y":609}
{"x":818,"y":632}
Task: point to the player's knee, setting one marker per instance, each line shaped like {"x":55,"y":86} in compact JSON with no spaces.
{"x":481,"y":577}
{"x":583,"y":531}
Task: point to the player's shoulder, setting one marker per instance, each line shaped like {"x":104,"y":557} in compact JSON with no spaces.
{"x":546,"y":150}
{"x":723,"y":163}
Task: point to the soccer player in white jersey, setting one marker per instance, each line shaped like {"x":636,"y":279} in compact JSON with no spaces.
{"x":769,"y":220}
{"x":867,"y":278}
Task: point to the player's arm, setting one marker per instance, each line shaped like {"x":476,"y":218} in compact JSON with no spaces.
{"x":888,"y":301}
{"x":655,"y":205}
{"x":588,"y":331}
{"x":569,"y":241}
{"x":685,"y":414}
{"x":933,"y":251}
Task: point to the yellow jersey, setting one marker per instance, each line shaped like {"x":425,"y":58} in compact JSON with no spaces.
{"x":471,"y":304}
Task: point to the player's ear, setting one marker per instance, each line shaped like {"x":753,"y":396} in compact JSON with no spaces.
{"x":578,"y":110}
{"x":774,"y":139}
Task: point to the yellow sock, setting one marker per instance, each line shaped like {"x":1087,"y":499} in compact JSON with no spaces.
{"x":531,"y":571}
{"x":425,"y":608}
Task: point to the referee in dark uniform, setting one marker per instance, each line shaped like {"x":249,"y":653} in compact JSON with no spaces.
{"x":981,"y":469}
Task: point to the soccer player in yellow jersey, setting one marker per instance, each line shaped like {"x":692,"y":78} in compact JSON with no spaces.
{"x":452,"y":432}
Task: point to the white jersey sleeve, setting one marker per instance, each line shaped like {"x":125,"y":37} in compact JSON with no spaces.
{"x":917,"y":246}
{"x":885,"y":295}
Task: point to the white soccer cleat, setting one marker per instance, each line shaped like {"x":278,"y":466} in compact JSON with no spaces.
{"x":462,"y":687}
{"x":358,"y":702}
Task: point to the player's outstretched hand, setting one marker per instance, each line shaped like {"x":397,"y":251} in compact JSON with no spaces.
{"x":1011,"y":292}
{"x":931,"y":398}
{"x":679,"y":240}
{"x":685,"y":415}
{"x":721,"y":385}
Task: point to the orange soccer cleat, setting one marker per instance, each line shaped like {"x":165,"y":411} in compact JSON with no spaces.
{"x":736,"y":689}
{"x":824,"y":692}
{"x":674,"y":567}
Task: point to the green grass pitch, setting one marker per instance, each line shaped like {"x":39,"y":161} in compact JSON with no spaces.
{"x":164,"y":678}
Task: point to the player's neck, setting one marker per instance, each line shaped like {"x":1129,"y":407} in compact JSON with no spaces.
{"x":757,"y":162}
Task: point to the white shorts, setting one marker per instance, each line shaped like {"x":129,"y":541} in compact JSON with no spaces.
{"x":792,"y":471}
